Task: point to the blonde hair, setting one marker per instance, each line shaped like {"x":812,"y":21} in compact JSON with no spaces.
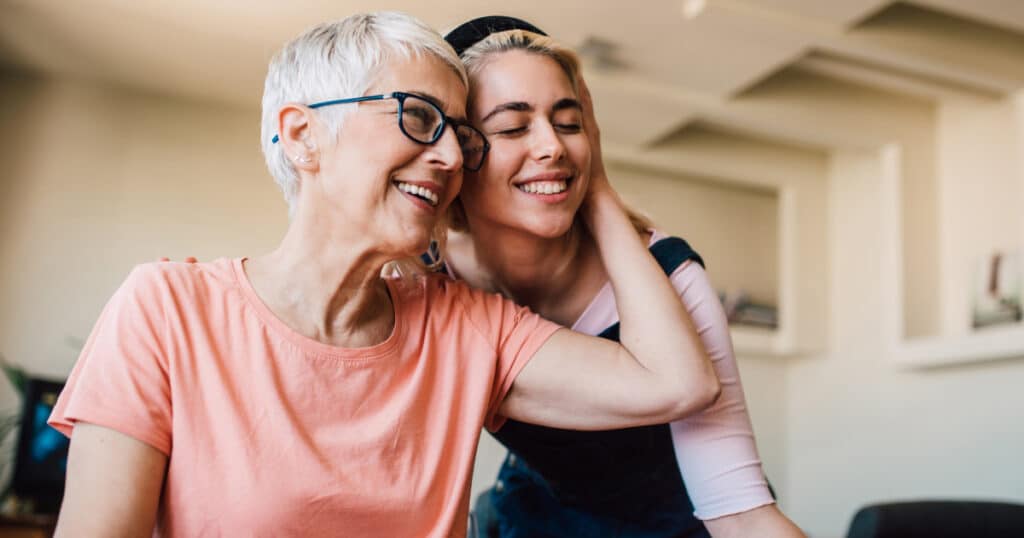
{"x":476,"y":58}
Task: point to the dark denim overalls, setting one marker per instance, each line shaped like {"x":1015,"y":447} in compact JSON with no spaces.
{"x":566,"y":483}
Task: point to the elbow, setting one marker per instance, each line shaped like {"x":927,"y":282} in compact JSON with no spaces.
{"x":712,"y":391}
{"x":696,"y":397}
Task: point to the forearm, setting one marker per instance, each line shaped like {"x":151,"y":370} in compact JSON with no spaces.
{"x":767,"y":521}
{"x":654,"y":325}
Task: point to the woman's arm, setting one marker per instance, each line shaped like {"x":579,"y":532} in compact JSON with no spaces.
{"x":658,"y":374}
{"x":116,"y":409}
{"x":767,"y":521}
{"x":113,"y":485}
{"x":715,"y":448}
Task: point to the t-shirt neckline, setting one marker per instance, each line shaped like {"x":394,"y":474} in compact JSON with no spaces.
{"x":310,"y":345}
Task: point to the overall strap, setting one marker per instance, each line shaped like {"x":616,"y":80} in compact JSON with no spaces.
{"x":670,"y":253}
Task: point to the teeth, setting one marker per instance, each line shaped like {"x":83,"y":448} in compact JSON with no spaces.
{"x":544,"y":187}
{"x":416,"y":190}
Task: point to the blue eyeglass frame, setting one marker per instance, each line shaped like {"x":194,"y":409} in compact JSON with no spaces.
{"x":401,"y":97}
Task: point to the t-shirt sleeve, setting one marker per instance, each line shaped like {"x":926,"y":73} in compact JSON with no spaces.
{"x":121,"y":379}
{"x":715,"y":448}
{"x":516,"y":334}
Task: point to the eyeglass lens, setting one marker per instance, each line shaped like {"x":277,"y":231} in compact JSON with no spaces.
{"x":423,"y":121}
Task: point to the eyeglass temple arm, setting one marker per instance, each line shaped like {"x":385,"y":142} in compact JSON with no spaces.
{"x":341,"y":102}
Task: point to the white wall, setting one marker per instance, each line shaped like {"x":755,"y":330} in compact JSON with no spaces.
{"x":734,"y":228}
{"x":862,"y":429}
{"x":981,"y":191}
{"x":97,"y":180}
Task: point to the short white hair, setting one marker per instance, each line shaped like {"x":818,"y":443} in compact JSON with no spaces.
{"x":339,"y":60}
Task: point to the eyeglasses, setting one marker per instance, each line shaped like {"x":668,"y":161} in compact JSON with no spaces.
{"x":423,"y":122}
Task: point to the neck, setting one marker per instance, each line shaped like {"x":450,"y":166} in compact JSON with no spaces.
{"x":325,"y":285}
{"x":555,"y":277}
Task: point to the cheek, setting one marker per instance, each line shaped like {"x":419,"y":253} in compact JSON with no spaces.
{"x":579,"y":152}
{"x":497,"y":170}
{"x":503,"y":162}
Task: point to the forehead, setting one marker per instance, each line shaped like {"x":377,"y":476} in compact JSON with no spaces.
{"x":519,"y":76}
{"x":428,"y":75}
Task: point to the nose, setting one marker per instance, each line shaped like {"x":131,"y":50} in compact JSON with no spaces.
{"x":545,"y":144}
{"x":446,"y":152}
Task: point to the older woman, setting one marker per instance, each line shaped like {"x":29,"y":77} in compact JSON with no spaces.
{"x":527,"y":99}
{"x":298,"y":393}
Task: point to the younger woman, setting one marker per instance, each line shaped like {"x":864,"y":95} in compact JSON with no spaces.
{"x":522,"y":235}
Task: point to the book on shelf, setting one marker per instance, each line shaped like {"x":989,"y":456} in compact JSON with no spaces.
{"x":740,"y":309}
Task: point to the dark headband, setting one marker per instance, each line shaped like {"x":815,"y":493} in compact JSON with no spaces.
{"x":472,"y":32}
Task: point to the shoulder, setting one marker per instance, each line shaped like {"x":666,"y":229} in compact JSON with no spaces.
{"x":161,"y":282}
{"x":674,"y":254}
{"x":454,"y":301}
{"x":440,"y":288}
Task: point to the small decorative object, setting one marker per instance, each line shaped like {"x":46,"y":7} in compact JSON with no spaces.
{"x":998,"y":289}
{"x":741,"y":310}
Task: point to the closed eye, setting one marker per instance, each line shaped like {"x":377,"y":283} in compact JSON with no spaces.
{"x":511,"y":132}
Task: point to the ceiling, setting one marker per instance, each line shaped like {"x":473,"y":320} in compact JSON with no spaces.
{"x":719,"y":64}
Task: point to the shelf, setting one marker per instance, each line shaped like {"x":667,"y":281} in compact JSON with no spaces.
{"x":932,"y":265}
{"x":757,"y":212}
{"x":988,"y":344}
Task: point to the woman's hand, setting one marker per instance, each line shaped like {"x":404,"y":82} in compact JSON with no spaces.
{"x":598,"y":176}
{"x":601,"y":197}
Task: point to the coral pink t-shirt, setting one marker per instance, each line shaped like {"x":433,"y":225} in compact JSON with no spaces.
{"x":271,"y":433}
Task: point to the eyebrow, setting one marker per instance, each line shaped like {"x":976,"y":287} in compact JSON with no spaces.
{"x":520,"y":106}
{"x":516,"y":106}
{"x":439,"y":104}
{"x":568,"y":102}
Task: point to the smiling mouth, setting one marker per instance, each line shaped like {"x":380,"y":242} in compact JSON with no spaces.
{"x":427,"y":195}
{"x":544,"y":187}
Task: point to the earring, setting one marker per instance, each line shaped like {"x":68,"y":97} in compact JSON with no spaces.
{"x":304,"y":159}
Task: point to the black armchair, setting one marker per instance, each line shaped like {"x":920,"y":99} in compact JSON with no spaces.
{"x":939,"y":519}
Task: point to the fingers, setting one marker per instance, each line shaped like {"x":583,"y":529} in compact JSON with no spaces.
{"x":586,"y":101}
{"x":593,"y":132}
{"x":188,"y":259}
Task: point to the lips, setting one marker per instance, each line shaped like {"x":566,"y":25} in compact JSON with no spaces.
{"x":428,"y":192}
{"x":544,"y":187}
{"x":546,"y":183}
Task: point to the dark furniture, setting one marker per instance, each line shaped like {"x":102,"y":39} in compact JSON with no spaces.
{"x":41,"y":459}
{"x":939,"y":519}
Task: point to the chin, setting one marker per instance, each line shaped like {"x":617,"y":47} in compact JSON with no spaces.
{"x":550,"y":228}
{"x":405,"y":242}
{"x":417,"y":246}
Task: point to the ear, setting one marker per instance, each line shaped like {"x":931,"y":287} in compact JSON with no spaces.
{"x":295,"y":134}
